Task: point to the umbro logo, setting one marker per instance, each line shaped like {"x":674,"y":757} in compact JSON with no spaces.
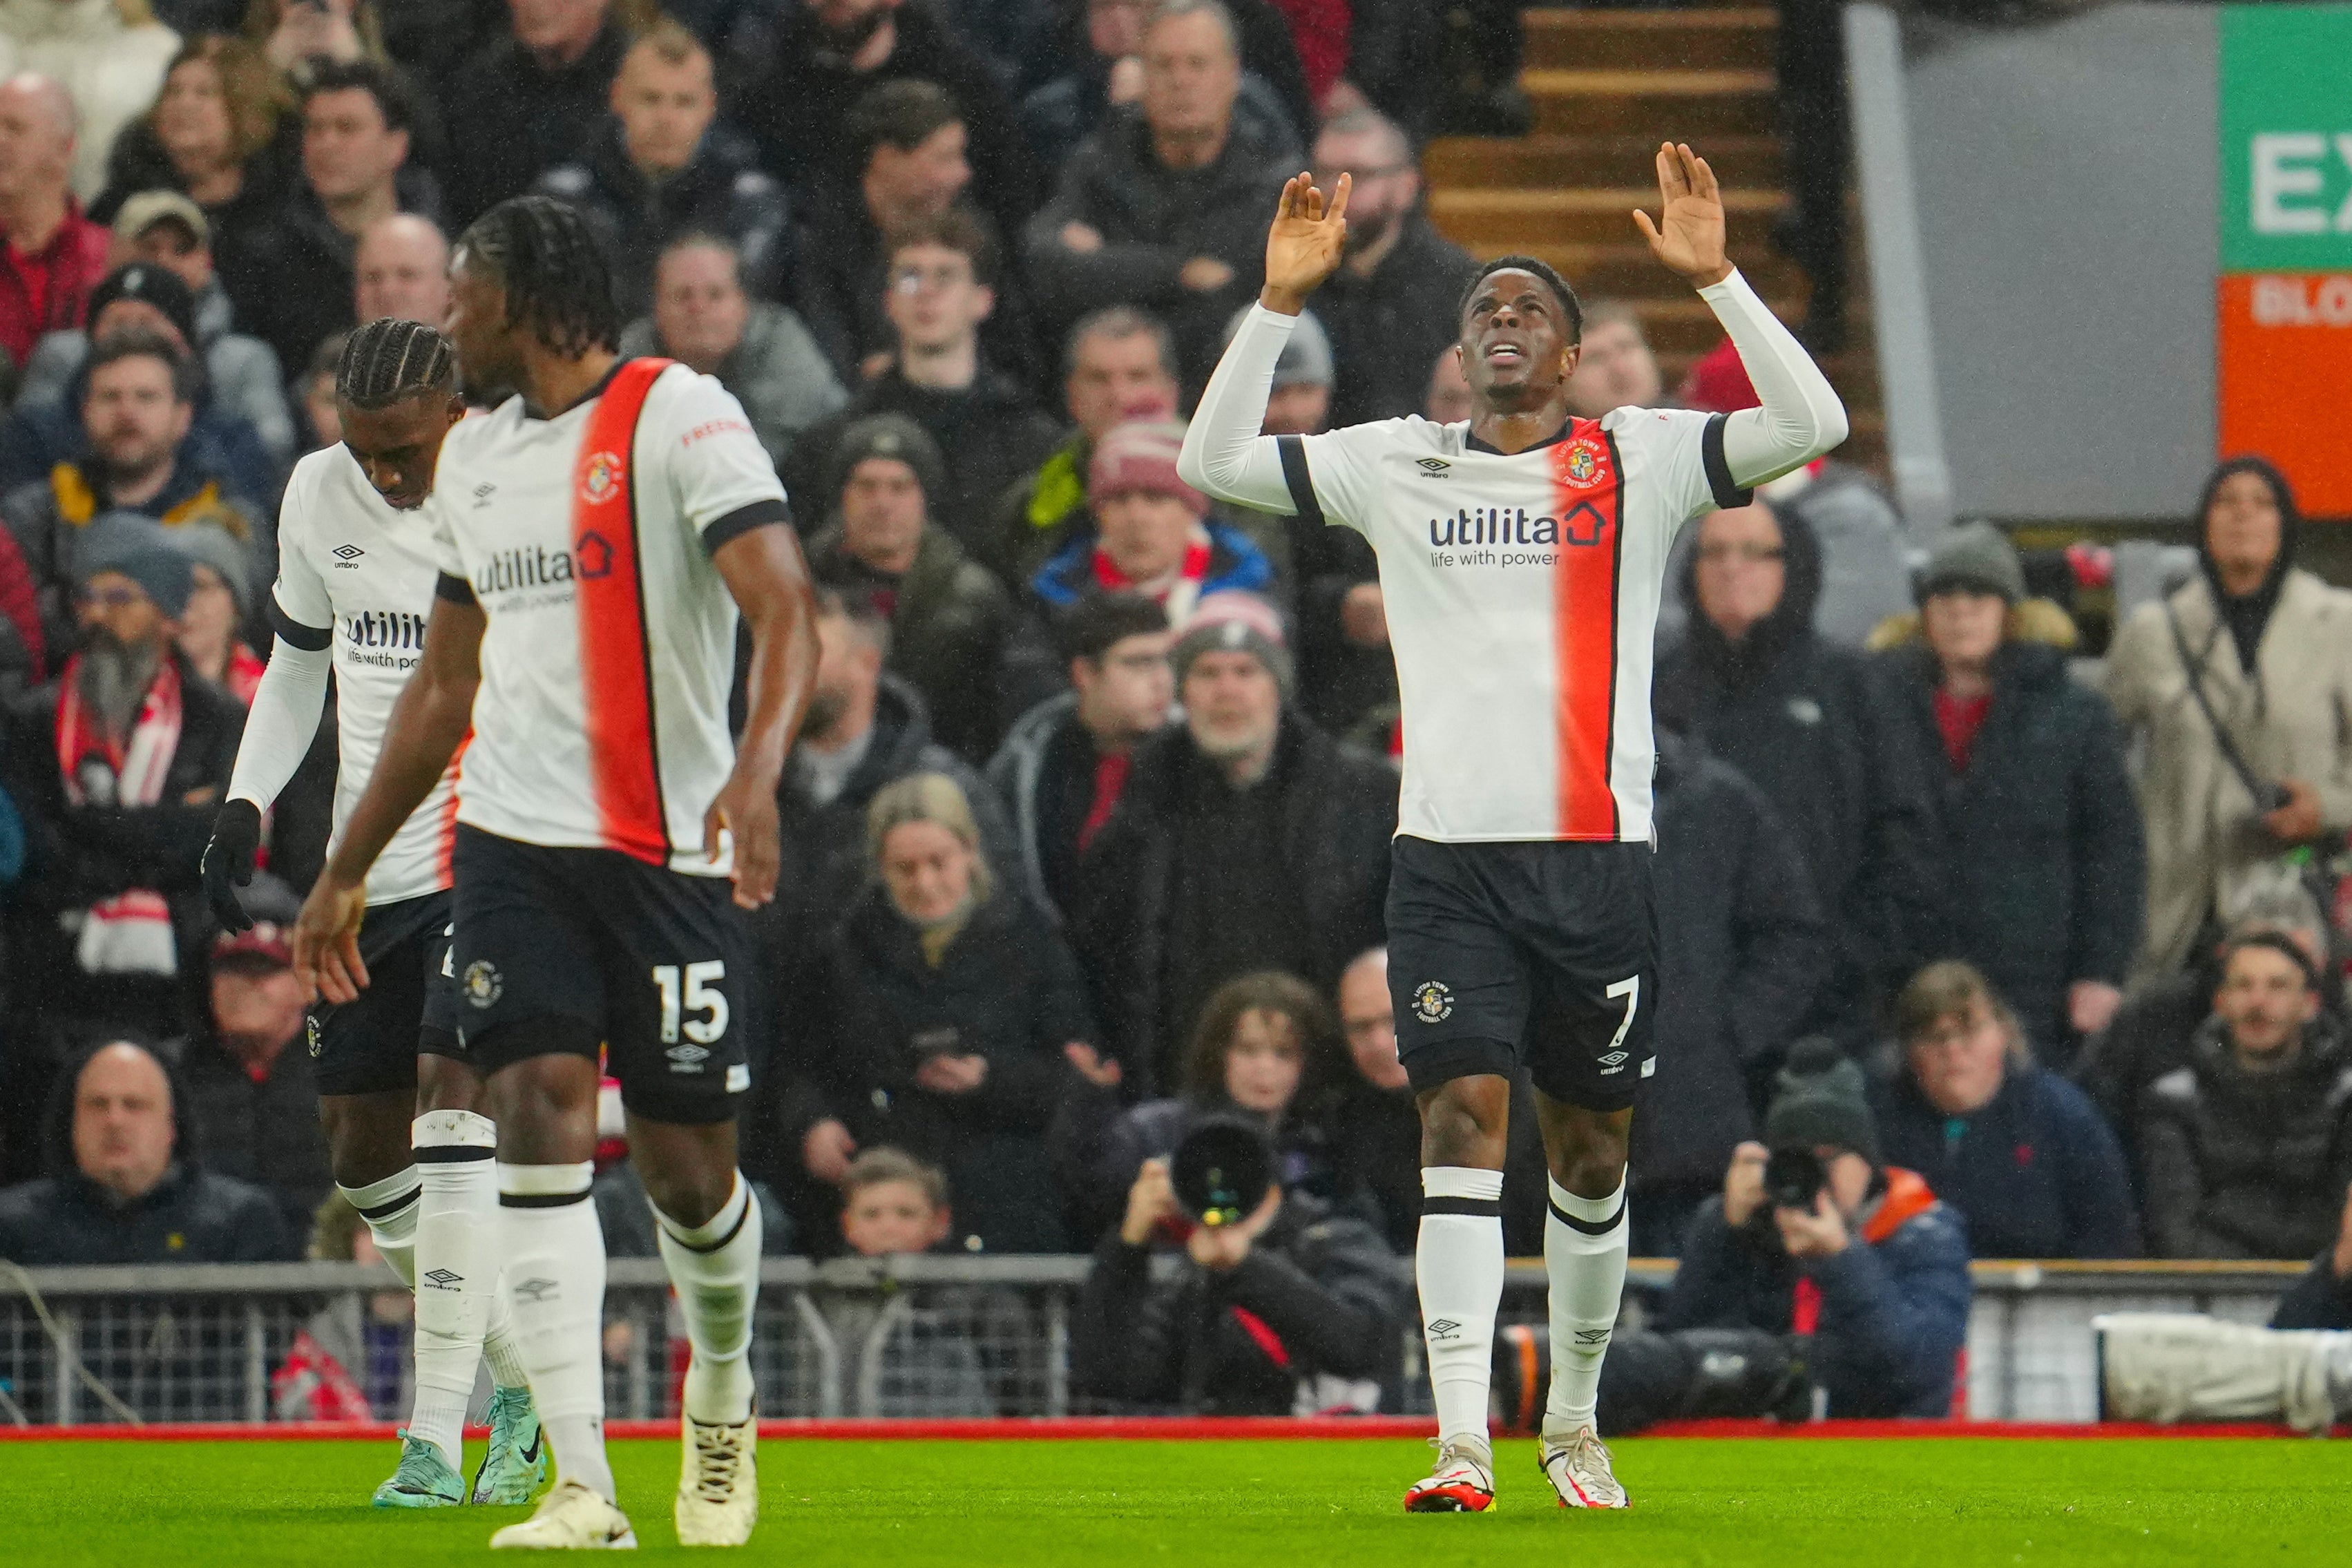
{"x":537,"y":1289}
{"x":347,"y":557}
{"x":442,"y":1279}
{"x":687,"y":1058}
{"x":1592,"y":1336}
{"x":482,"y":494}
{"x":1435,"y":467}
{"x":1443,"y":1330}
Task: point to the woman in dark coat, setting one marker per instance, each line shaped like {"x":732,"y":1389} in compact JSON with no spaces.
{"x":941,"y":1023}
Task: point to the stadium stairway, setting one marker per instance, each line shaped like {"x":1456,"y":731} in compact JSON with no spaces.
{"x":1608,"y":84}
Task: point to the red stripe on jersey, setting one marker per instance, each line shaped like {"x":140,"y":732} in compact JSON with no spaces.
{"x":615,"y":666}
{"x":444,"y":835}
{"x":1586,"y":491}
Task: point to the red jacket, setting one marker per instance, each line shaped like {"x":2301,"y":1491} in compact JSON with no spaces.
{"x":74,"y":260}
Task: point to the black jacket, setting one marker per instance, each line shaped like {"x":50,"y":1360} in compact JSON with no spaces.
{"x":1339,"y":810}
{"x":292,"y":278}
{"x":1388,"y":330}
{"x":799,"y":99}
{"x":1794,"y":714}
{"x":991,"y":435}
{"x":1006,"y":989}
{"x":193,"y":1215}
{"x":720,"y":190}
{"x":2240,"y":1165}
{"x":1153,"y":220}
{"x":265,"y":1134}
{"x":955,"y":634}
{"x":2320,"y":1299}
{"x":2038,"y":865}
{"x":509,"y":119}
{"x":1743,"y":949}
{"x":1322,"y":1296}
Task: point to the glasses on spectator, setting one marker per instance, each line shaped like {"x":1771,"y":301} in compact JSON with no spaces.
{"x":114,"y":598}
{"x":1745,"y":554}
{"x":914,"y":280}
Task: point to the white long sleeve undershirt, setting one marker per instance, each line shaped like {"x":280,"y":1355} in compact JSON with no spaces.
{"x":283,"y":723}
{"x":1800,"y":419}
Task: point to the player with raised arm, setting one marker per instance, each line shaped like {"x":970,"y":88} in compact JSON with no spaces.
{"x":598,"y":533}
{"x":355,"y":575}
{"x":1521,"y":557}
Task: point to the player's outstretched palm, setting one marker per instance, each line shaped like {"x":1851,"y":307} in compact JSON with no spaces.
{"x":1307,"y":240}
{"x":1687,"y":238}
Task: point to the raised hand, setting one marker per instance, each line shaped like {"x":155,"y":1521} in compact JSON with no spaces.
{"x":1687,"y":238}
{"x":1305,"y":244}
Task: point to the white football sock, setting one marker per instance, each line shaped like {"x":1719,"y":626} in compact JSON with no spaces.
{"x":716,"y":1270}
{"x":554,"y":1258}
{"x":389,"y":1206}
{"x":1459,"y":1266}
{"x":456,"y":1270}
{"x":1584,"y":1257}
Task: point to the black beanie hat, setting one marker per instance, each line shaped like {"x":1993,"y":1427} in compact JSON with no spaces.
{"x":1822,"y":1099}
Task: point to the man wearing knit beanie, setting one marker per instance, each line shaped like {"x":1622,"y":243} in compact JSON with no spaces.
{"x":1152,"y":534}
{"x":1235,"y":622}
{"x":1974,"y":558}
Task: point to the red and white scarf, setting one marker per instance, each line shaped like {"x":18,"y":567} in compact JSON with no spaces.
{"x":1178,"y":590}
{"x":130,"y":933}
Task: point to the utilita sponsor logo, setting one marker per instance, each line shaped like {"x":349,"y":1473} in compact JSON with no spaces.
{"x":538,"y":567}
{"x":1500,"y":525}
{"x":384,"y":629}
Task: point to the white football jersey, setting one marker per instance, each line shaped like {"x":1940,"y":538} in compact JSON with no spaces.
{"x":610,"y":656}
{"x":353,"y":569}
{"x":1522,"y":594}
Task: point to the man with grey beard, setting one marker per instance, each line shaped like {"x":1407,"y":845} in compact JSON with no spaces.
{"x":119,"y":770}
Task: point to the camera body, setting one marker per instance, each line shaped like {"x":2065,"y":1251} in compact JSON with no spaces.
{"x":1222,"y":1170}
{"x":1794,"y":1178}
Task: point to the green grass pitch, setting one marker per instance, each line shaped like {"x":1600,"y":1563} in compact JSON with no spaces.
{"x":1126,"y":1504}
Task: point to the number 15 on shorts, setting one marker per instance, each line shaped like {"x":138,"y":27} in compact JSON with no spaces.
{"x":696,"y":1007}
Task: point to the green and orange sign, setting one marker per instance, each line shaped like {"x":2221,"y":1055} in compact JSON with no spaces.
{"x":2283,"y":317}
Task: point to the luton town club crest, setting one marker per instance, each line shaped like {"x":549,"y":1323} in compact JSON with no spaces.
{"x":1583,"y":462}
{"x":602,"y":478}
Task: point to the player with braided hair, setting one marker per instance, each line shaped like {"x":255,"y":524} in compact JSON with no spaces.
{"x":598,"y":535}
{"x":410,"y":1151}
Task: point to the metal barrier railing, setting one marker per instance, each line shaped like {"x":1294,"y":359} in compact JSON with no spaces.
{"x":906,"y":1336}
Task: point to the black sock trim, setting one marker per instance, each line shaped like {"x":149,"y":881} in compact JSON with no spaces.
{"x":706,"y":1247}
{"x":393,"y":1206}
{"x":451,"y":1154}
{"x":1589,"y":1227}
{"x":541,"y":1200}
{"x":1488,"y":1208}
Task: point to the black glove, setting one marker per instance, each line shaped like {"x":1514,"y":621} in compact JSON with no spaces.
{"x":228,"y":862}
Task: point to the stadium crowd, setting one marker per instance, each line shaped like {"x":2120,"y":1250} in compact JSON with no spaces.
{"x":1086,"y":835}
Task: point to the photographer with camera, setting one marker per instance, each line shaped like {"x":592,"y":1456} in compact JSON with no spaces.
{"x":1276,"y":1306}
{"x":1814,"y":1236}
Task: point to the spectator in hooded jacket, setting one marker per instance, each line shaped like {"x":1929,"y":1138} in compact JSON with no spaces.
{"x":660,"y":166}
{"x":953,"y":628}
{"x":1754,"y":684}
{"x":1120,"y":364}
{"x":1062,"y":769}
{"x":1152,"y":533}
{"x":530,"y":101}
{"x":2021,"y":1153}
{"x":1875,"y":1271}
{"x":2247,"y":1151}
{"x":2269,"y":648}
{"x":704,"y":317}
{"x":941,"y":288}
{"x":124,"y":1186}
{"x":1743,"y":949}
{"x":1247,"y":838}
{"x":2034,"y":841}
{"x":1166,"y":208}
{"x":941,"y":1019}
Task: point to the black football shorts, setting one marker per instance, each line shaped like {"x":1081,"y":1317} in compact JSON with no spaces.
{"x":1541,"y":955}
{"x":370,"y":1045}
{"x":654,"y":961}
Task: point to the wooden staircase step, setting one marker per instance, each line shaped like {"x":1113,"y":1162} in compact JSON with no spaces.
{"x":1596,"y":160}
{"x":1629,"y":271}
{"x":1684,"y":105}
{"x":1650,"y":40}
{"x":1511,"y":219}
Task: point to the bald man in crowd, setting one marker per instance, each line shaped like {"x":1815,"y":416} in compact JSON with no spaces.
{"x":54,"y":255}
{"x":402,"y":269}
